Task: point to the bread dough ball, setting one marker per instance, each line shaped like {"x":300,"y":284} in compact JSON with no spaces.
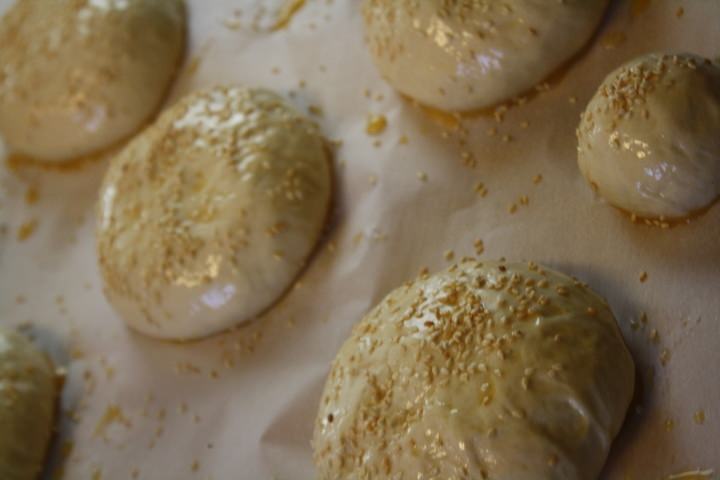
{"x":458,"y":56}
{"x":486,"y":370}
{"x":78,"y":76}
{"x":649,"y":141}
{"x":206,"y":218}
{"x":28,"y":390}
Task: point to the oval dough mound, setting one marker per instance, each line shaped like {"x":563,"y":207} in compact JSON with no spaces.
{"x":649,"y":141}
{"x":459,"y":55}
{"x":206,"y":218}
{"x":28,"y":390}
{"x":78,"y":76}
{"x":485,"y":370}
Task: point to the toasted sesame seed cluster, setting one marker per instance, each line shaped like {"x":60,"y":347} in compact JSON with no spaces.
{"x":207,"y":217}
{"x":78,"y":76}
{"x":483,"y":371}
{"x":460,"y":55}
{"x":28,"y":390}
{"x":649,"y":141}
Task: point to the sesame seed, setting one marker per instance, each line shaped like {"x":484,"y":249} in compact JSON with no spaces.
{"x":376,"y":124}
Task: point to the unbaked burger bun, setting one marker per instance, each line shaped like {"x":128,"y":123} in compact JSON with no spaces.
{"x":460,"y":55}
{"x":484,"y":371}
{"x":78,"y":76}
{"x":649,"y":141}
{"x":28,"y":393}
{"x":206,"y":218}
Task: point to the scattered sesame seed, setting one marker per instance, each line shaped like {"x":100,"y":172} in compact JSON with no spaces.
{"x":669,"y":425}
{"x":27,"y":230}
{"x":376,"y":124}
{"x":315,"y":110}
{"x":32,"y":195}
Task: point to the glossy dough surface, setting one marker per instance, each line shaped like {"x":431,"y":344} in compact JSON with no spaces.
{"x":27,"y":407}
{"x":485,"y":370}
{"x":78,"y":76}
{"x":462,"y":55}
{"x":206,"y":218}
{"x":649,"y":141}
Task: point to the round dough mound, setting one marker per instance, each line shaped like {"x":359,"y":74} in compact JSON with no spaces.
{"x":77,"y":76}
{"x":28,"y":390}
{"x":649,"y":141}
{"x":206,"y":218}
{"x":486,"y":370}
{"x":459,"y":55}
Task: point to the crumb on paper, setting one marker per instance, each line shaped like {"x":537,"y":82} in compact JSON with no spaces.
{"x":680,"y":12}
{"x":643,"y":277}
{"x":403,"y":140}
{"x":699,"y":417}
{"x":449,"y":255}
{"x":422,"y":176}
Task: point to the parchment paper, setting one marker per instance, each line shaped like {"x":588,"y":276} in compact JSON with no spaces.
{"x":241,"y":405}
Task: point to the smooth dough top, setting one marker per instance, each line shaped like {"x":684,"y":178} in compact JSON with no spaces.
{"x":486,"y":370}
{"x":459,"y":55}
{"x":649,"y":141}
{"x":28,"y":390}
{"x":78,"y":76}
{"x":206,"y":218}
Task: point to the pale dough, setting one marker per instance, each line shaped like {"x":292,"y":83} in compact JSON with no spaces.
{"x":28,"y":391}
{"x":649,"y":141}
{"x":486,"y":370}
{"x":459,"y":55}
{"x":78,"y":76}
{"x":207,"y":217}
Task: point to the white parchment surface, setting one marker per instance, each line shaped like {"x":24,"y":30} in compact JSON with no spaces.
{"x":241,"y":405}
